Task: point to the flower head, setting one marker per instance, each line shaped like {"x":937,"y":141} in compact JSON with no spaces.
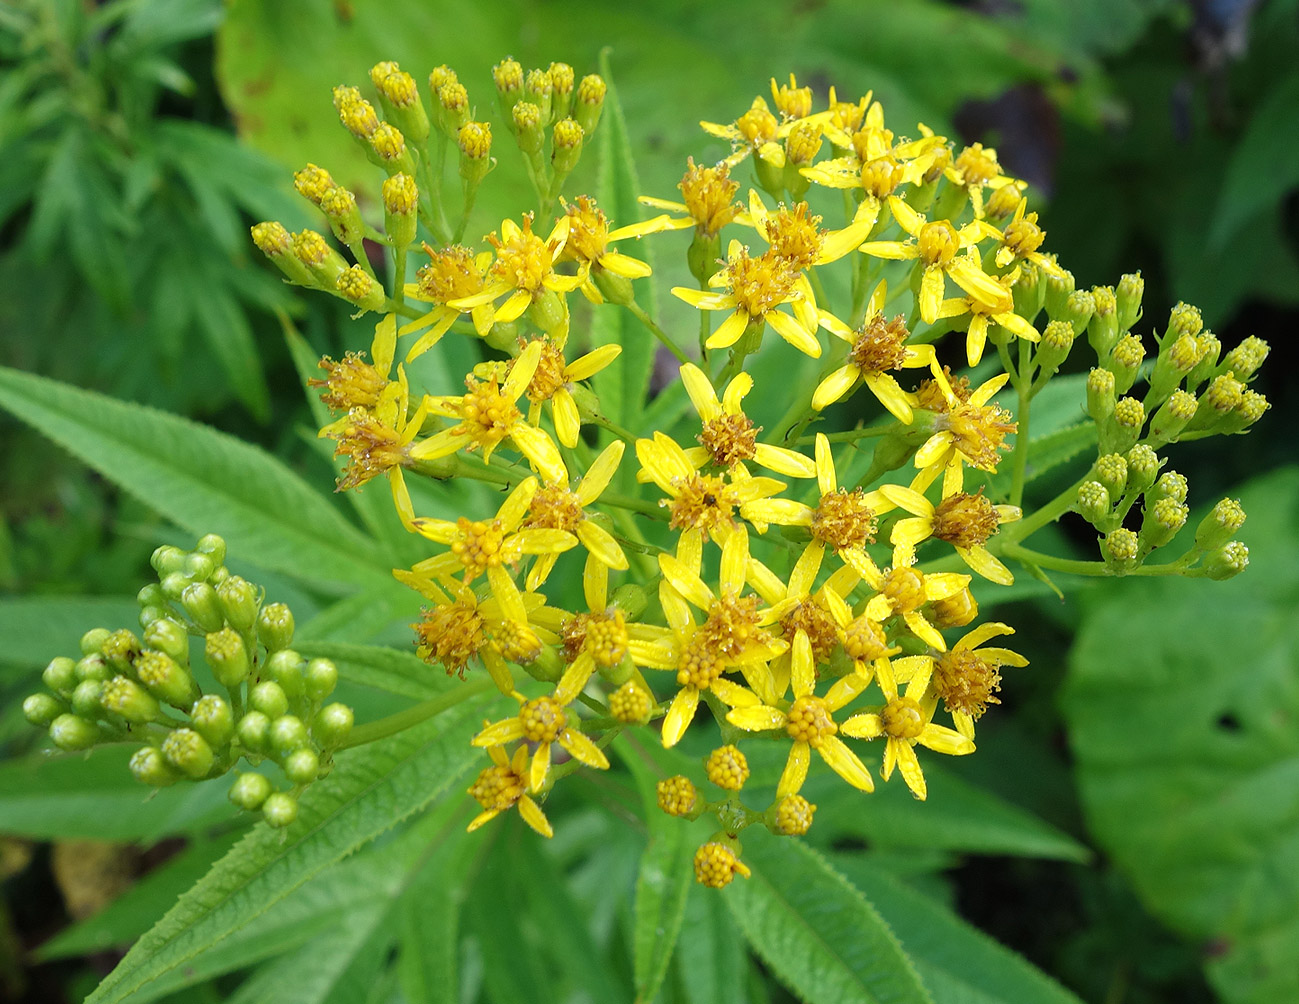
{"x":504,"y":786}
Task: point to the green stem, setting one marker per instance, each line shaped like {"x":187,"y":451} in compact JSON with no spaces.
{"x":1076,"y":566}
{"x":1019,"y":458}
{"x":1049,"y":513}
{"x":852,"y":435}
{"x":399,"y":276}
{"x":595,"y":418}
{"x":639,"y":313}
{"x":402,"y":720}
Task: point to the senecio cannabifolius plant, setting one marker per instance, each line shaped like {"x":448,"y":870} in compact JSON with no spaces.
{"x":808,"y":584}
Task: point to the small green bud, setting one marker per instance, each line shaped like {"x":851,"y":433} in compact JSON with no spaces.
{"x":1171,"y":485}
{"x":1058,"y":289}
{"x":286,"y":668}
{"x":1228,"y":561}
{"x":548,"y":311}
{"x":129,"y":700}
{"x":1175,"y":362}
{"x":1173,"y":416}
{"x":1093,"y":502}
{"x":332,"y":726}
{"x":1100,"y":395}
{"x":508,"y":77}
{"x":227,"y":657}
{"x":321,"y":678}
{"x":537,"y":89}
{"x":150,"y":767}
{"x":302,"y":766}
{"x":269,"y":698}
{"x":1126,"y":362}
{"x":213,"y":546}
{"x":254,"y":732}
{"x":1124,"y":428}
{"x":219,"y":575}
{"x":151,"y":596}
{"x":1053,"y":349}
{"x":275,"y":626}
{"x":475,"y":142}
{"x":288,"y":733}
{"x":199,"y":566}
{"x":93,"y":667}
{"x":1112,"y":472}
{"x":1250,"y":409}
{"x":167,"y":559}
{"x":189,"y":753}
{"x":1103,"y":325}
{"x":387,"y":148}
{"x":213,"y":719}
{"x":400,"y":209}
{"x":1210,"y":350}
{"x":614,"y":288}
{"x":1246,"y":358}
{"x":1223,"y":394}
{"x":1120,"y":549}
{"x":1130,"y":290}
{"x":174,"y":585}
{"x":167,"y":679}
{"x":1162,"y":521}
{"x":1183,"y":320}
{"x":61,"y":676}
{"x":88,"y":699}
{"x":322,"y":262}
{"x":702,"y":256}
{"x":562,"y":79}
{"x":1220,"y":525}
{"x":1143,"y":467}
{"x":70,"y":733}
{"x":41,"y":709}
{"x":631,"y":599}
{"x":566,"y":146}
{"x":1078,"y":310}
{"x":250,"y":791}
{"x":589,"y":103}
{"x":356,"y":285}
{"x":1028,"y":292}
{"x":526,"y":121}
{"x":150,"y":614}
{"x":280,"y":809}
{"x":169,"y":637}
{"x":92,"y":642}
{"x":239,"y":600}
{"x":121,"y":649}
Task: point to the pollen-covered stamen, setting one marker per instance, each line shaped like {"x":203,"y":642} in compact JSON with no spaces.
{"x":486,"y":414}
{"x":905,"y":588}
{"x":450,"y":633}
{"x":732,"y":624}
{"x":843,"y":519}
{"x":814,"y":620}
{"x":966,"y":681}
{"x":757,"y":125}
{"x":572,"y":635}
{"x":450,"y":275}
{"x":605,"y":637}
{"x":498,"y":788}
{"x":930,"y":396}
{"x":588,"y":230}
{"x":795,"y":235}
{"x":523,"y":261}
{"x":351,"y":383}
{"x":902,"y":719}
{"x":881,"y":176}
{"x":549,"y":378}
{"x":810,"y":721}
{"x":864,"y":640}
{"x":479,"y":547}
{"x":371,"y":446}
{"x":965,"y":520}
{"x":543,"y":719}
{"x":698,"y":665}
{"x":516,"y":642}
{"x":880,"y":345}
{"x":554,"y":507}
{"x":760,"y":284}
{"x":703,"y":502}
{"x":729,"y":438}
{"x":980,"y":432}
{"x":977,"y":165}
{"x":709,"y":195}
{"x":938,"y":243}
{"x":1023,"y":236}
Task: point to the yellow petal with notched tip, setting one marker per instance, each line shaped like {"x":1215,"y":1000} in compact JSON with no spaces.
{"x":908,"y":219}
{"x":568,"y":423}
{"x":845,"y":763}
{"x":440,"y":531}
{"x":802,"y":667}
{"x":600,"y":473}
{"x":704,"y":300}
{"x":923,"y":630}
{"x":976,"y":338}
{"x":910,"y":768}
{"x":499,"y":734}
{"x":540,"y":767}
{"x":931,"y":293}
{"x":835,"y":386}
{"x":735,"y":562}
{"x":574,"y":678}
{"x":685,"y":581}
{"x":507,"y":594}
{"x":522,"y":372}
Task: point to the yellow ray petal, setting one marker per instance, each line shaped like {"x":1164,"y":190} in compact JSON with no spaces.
{"x":680,"y":713}
{"x":845,"y":763}
{"x":795,"y":772}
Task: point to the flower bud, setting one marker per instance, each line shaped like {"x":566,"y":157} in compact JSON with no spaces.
{"x":1173,"y":416}
{"x":1124,"y":428}
{"x":953,"y":611}
{"x":93,"y":667}
{"x":562,"y":80}
{"x":1246,"y":358}
{"x":321,"y":677}
{"x":717,"y":864}
{"x":1125,"y":362}
{"x":1249,"y":410}
{"x":227,"y":657}
{"x":321,"y":261}
{"x":1222,"y":395}
{"x":1162,"y":521}
{"x":151,"y":596}
{"x":1210,"y":349}
{"x":1130,"y":290}
{"x":275,"y":626}
{"x":286,"y":668}
{"x":88,"y":699}
{"x":357,"y":286}
{"x":344,"y":216}
{"x":1112,"y":472}
{"x":355,"y":113}
{"x":1120,"y":549}
{"x":213,"y":719}
{"x":332,"y":725}
{"x":254,"y":732}
{"x":280,"y":809}
{"x":269,"y":698}
{"x":274,"y":241}
{"x":288,"y":734}
{"x":120,"y":649}
{"x":387,"y":148}
{"x":169,"y":637}
{"x":589,"y":103}
{"x":167,"y":680}
{"x":129,"y":700}
{"x":1100,"y":395}
{"x":61,"y":676}
{"x":41,"y":709}
{"x":1058,"y":290}
{"x":71,"y":733}
{"x":727,"y":768}
{"x":214,"y":546}
{"x":1220,"y":525}
{"x":475,"y":142}
{"x":92,"y":642}
{"x":794,"y":814}
{"x":566,"y":146}
{"x":302,"y":766}
{"x":150,"y":767}
{"x":1183,"y":320}
{"x":508,"y":77}
{"x":1228,"y":561}
{"x":166,"y":559}
{"x":189,"y":753}
{"x":677,"y":796}
{"x":150,"y":614}
{"x":1078,"y":310}
{"x":238,"y":599}
{"x":1143,"y":468}
{"x":400,"y":99}
{"x":1103,"y":326}
{"x":400,"y":209}
{"x":525,"y":118}
{"x":1171,"y":485}
{"x":174,"y":584}
{"x":537,"y":89}
{"x":631,"y":703}
{"x":250,"y":791}
{"x":1053,"y":349}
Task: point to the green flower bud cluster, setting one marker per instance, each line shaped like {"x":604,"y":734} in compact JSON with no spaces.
{"x":130,"y":688}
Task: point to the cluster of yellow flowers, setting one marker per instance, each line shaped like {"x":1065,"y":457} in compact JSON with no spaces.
{"x":760,"y":575}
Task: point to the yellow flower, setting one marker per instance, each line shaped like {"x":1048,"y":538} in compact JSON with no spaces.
{"x":970,"y":431}
{"x":754,"y":132}
{"x":488,"y":416}
{"x":903,"y":589}
{"x":982,"y":312}
{"x":756,"y":287}
{"x":874,"y":348}
{"x":452,"y":274}
{"x":808,"y":720}
{"x":551,"y":382}
{"x":504,"y":786}
{"x":1022,"y":237}
{"x":966,"y":677}
{"x":698,"y":501}
{"x":588,"y":243}
{"x":875,"y":164}
{"x":905,"y":721}
{"x":795,"y":236}
{"x":709,"y":204}
{"x":962,"y":520}
{"x":729,"y":437}
{"x":557,"y":507}
{"x":974,"y":169}
{"x":543,"y":721}
{"x":491,"y":546}
{"x":938,"y":245}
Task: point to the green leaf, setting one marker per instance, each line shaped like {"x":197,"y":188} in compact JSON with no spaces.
{"x":387,"y":669}
{"x":823,"y":939}
{"x":959,"y":963}
{"x":230,"y":336}
{"x":1182,"y":702}
{"x":204,"y":480}
{"x":370,"y":790}
{"x":364,"y":615}
{"x":711,"y":956}
{"x":429,"y":922}
{"x":37,"y":628}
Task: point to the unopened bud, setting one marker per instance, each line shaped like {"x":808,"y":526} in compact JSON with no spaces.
{"x":71,"y":732}
{"x":250,"y":791}
{"x":1171,"y":485}
{"x":1125,"y":362}
{"x":189,"y":753}
{"x":390,"y":150}
{"x":717,"y":864}
{"x":60,"y":675}
{"x":677,"y":796}
{"x":1058,"y":289}
{"x":1173,"y":416}
{"x":526,"y":119}
{"x":1227,"y":562}
{"x":727,"y":768}
{"x":1124,"y":428}
{"x":166,"y":559}
{"x":1162,"y":521}
{"x":88,"y":699}
{"x":631,"y":703}
{"x":562,"y":80}
{"x":321,"y":678}
{"x":1184,"y":320}
{"x":1103,"y":326}
{"x":1130,"y":290}
{"x":1078,"y":310}
{"x":357,"y":286}
{"x":1120,"y":549}
{"x":332,"y":725}
{"x":400,"y":98}
{"x":589,"y":103}
{"x":213,"y":719}
{"x":227,"y":657}
{"x":475,"y":142}
{"x":953,"y":611}
{"x":537,"y":90}
{"x":129,"y":700}
{"x":92,"y":642}
{"x":794,"y":812}
{"x":166,"y":679}
{"x":151,"y":596}
{"x":508,"y":77}
{"x":285,"y":668}
{"x":566,"y":146}
{"x":254,"y":732}
{"x":1249,"y":410}
{"x":1220,"y":525}
{"x":355,"y":113}
{"x":269,"y":698}
{"x":323,"y":263}
{"x":93,"y":667}
{"x":1100,"y":395}
{"x":302,"y":766}
{"x":1112,"y":472}
{"x":170,"y":637}
{"x":150,"y":767}
{"x":287,"y":734}
{"x":1246,"y":358}
{"x":339,"y":207}
{"x":238,"y":601}
{"x":200,"y":601}
{"x":400,"y":209}
{"x":1222,"y":395}
{"x":280,"y":809}
{"x":214,"y":546}
{"x":1143,"y":468}
{"x":41,"y":709}
{"x":275,"y":626}
{"x":174,"y":584}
